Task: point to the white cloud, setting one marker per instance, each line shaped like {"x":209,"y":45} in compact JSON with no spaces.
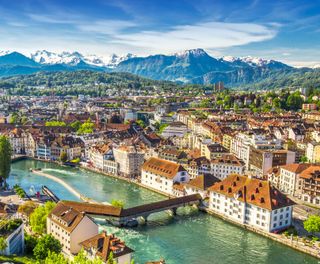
{"x":107,"y":27}
{"x":209,"y":35}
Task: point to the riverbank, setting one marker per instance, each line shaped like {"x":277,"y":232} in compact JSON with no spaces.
{"x":296,"y":244}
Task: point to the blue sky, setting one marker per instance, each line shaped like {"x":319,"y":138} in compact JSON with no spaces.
{"x":286,"y":30}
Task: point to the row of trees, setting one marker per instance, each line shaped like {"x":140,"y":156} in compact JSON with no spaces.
{"x":5,"y":160}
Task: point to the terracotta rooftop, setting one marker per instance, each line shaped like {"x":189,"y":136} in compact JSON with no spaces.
{"x":162,"y":167}
{"x":296,"y":167}
{"x":203,"y":182}
{"x":310,"y":172}
{"x":104,"y":244}
{"x":253,"y":191}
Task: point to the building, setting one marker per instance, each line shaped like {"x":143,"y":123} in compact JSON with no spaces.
{"x":309,"y":107}
{"x":212,"y":151}
{"x":14,"y":238}
{"x":251,"y":202}
{"x":260,"y":161}
{"x":129,"y":159}
{"x":289,"y":177}
{"x":162,"y":174}
{"x":70,"y":227}
{"x":177,"y":129}
{"x":313,"y":152}
{"x":309,"y":185}
{"x":200,"y":185}
{"x":225,"y":165}
{"x":102,"y":245}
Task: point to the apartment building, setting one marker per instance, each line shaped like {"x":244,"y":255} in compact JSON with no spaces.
{"x":162,"y":174}
{"x":70,"y":227}
{"x":129,"y":159}
{"x":313,"y":152}
{"x":260,"y":161}
{"x":225,"y":165}
{"x":251,"y":202}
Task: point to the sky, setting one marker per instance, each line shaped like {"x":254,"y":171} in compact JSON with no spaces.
{"x":285,"y":30}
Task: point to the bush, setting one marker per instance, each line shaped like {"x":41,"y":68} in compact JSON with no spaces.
{"x":117,"y":203}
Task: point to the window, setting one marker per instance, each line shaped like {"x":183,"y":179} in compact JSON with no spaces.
{"x":274,"y":225}
{"x":275,"y":218}
{"x":280,"y":223}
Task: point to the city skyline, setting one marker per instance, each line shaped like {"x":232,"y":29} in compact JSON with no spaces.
{"x":283,"y":30}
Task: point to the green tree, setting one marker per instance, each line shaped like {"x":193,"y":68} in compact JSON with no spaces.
{"x":81,"y":258}
{"x":30,"y":243}
{"x":76,"y":125}
{"x":55,"y":123}
{"x":312,"y":224}
{"x":3,"y":243}
{"x":141,"y":123}
{"x":38,"y":219}
{"x":294,"y":101}
{"x":27,"y":208}
{"x":110,"y":258}
{"x":63,"y":156}
{"x":45,"y":245}
{"x":5,"y":159}
{"x":86,"y":128}
{"x":55,"y":258}
{"x":303,"y":159}
{"x":117,"y":203}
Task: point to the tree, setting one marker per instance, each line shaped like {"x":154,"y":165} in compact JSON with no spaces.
{"x":81,"y":258}
{"x":30,"y":243}
{"x":3,"y":243}
{"x":312,"y":224}
{"x":303,"y":159}
{"x":5,"y":159}
{"x":76,"y":125}
{"x":63,"y":156}
{"x":45,"y":245}
{"x":86,"y":128}
{"x":117,"y":203}
{"x":110,"y":258}
{"x":55,"y":123}
{"x":294,"y":101}
{"x":38,"y":219}
{"x":55,"y":258}
{"x":27,"y":208}
{"x":141,"y":123}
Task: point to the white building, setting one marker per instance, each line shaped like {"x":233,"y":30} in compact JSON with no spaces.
{"x":289,"y":177}
{"x":251,"y":202}
{"x":177,"y":129}
{"x":130,"y":160}
{"x":225,"y":165}
{"x":161,"y":174}
{"x":70,"y":227}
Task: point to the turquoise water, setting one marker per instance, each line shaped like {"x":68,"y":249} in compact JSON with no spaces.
{"x":191,"y":237}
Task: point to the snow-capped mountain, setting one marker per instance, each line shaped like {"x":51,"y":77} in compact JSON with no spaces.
{"x":74,"y":58}
{"x":4,"y":52}
{"x":191,"y":52}
{"x":252,"y":61}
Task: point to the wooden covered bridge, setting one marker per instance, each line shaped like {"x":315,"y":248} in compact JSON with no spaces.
{"x":122,"y":217}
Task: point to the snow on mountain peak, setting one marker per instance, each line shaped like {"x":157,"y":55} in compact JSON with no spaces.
{"x":252,"y":61}
{"x":195,"y":52}
{"x":4,"y":52}
{"x":74,"y":58}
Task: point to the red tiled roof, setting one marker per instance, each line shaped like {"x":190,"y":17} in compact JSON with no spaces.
{"x":253,"y":191}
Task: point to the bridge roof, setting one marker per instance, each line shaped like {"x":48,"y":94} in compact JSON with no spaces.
{"x":108,"y":210}
{"x":159,"y":205}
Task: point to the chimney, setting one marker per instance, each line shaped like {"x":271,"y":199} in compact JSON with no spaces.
{"x":252,"y":197}
{"x":221,"y":187}
{"x":257,"y":190}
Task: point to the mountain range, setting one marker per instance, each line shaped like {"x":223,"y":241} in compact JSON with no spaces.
{"x":190,"y":66}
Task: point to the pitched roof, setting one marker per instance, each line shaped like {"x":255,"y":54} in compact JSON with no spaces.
{"x":66,"y":217}
{"x":312,"y":171}
{"x":203,"y":182}
{"x":162,"y":167}
{"x":104,"y":244}
{"x":253,"y":191}
{"x":296,"y":167}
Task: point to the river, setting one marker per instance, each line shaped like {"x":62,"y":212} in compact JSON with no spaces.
{"x":191,"y":237}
